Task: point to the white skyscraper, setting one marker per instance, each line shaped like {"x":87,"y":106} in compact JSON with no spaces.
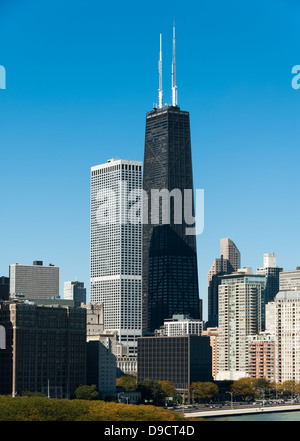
{"x":116,"y":249}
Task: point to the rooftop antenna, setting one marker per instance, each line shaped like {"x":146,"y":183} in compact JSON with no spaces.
{"x":174,"y":87}
{"x":160,"y":91}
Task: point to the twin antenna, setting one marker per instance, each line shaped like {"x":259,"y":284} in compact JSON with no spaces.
{"x":174,"y":87}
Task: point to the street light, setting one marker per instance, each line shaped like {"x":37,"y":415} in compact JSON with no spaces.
{"x":231,"y":393}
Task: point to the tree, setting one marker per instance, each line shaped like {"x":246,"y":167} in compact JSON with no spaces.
{"x":204,"y":390}
{"x":32,"y":394}
{"x":152,"y":391}
{"x":127,"y":382}
{"x":168,"y":389}
{"x":260,"y":385}
{"x":297,"y":389}
{"x":288,"y":387}
{"x":86,"y":392}
{"x":243,"y":388}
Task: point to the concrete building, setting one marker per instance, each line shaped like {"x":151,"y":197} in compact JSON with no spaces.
{"x":75,"y":291}
{"x":96,"y":331}
{"x":230,"y":252}
{"x":227,"y":263}
{"x":180,"y":360}
{"x":287,"y":335}
{"x":212,"y":333}
{"x":34,"y":281}
{"x":94,"y":319}
{"x":116,"y":250}
{"x":272,"y":273}
{"x":289,"y":280}
{"x":46,"y":349}
{"x":102,"y":350}
{"x":240,"y":297}
{"x":262,"y":356}
{"x":129,"y":397}
{"x":271,"y":318}
{"x":182,"y":324}
{"x":102,"y":364}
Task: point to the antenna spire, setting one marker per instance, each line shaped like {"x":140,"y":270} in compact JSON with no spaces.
{"x":160,"y":91}
{"x":174,"y":87}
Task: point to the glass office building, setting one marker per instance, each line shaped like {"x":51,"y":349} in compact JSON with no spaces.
{"x":181,"y":360}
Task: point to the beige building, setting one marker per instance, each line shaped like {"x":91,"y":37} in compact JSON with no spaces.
{"x":228,"y":261}
{"x":289,"y":280}
{"x":287,"y":335}
{"x":94,"y":318}
{"x":34,"y":281}
{"x":230,"y":252}
{"x":126,"y":363}
{"x":212,"y":333}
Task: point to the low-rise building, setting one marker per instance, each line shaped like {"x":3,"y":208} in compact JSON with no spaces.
{"x":45,"y":349}
{"x":180,"y":360}
{"x":262,"y":356}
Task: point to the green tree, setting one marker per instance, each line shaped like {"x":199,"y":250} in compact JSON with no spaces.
{"x":205,"y":390}
{"x":243,"y":388}
{"x":128,"y":382}
{"x":289,"y":387}
{"x":86,"y":392}
{"x":261,"y":383}
{"x":32,"y":394}
{"x":49,"y":409}
{"x":152,"y":391}
{"x":297,"y":389}
{"x":168,"y":388}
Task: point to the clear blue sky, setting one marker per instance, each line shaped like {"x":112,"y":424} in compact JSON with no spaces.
{"x":81,"y":77}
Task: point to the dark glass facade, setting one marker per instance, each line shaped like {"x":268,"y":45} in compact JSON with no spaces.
{"x":213,"y":298}
{"x":213,"y":292}
{"x":271,"y":289}
{"x":4,"y":288}
{"x":170,"y":277}
{"x":181,"y":360}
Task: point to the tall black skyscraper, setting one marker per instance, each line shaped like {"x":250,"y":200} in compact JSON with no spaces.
{"x":170,"y":276}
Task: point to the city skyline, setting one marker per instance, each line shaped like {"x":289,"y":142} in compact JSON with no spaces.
{"x":65,"y":92}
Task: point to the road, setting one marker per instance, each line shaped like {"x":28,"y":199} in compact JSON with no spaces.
{"x":238,"y":409}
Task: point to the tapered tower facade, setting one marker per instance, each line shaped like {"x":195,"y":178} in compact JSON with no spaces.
{"x":170,"y":276}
